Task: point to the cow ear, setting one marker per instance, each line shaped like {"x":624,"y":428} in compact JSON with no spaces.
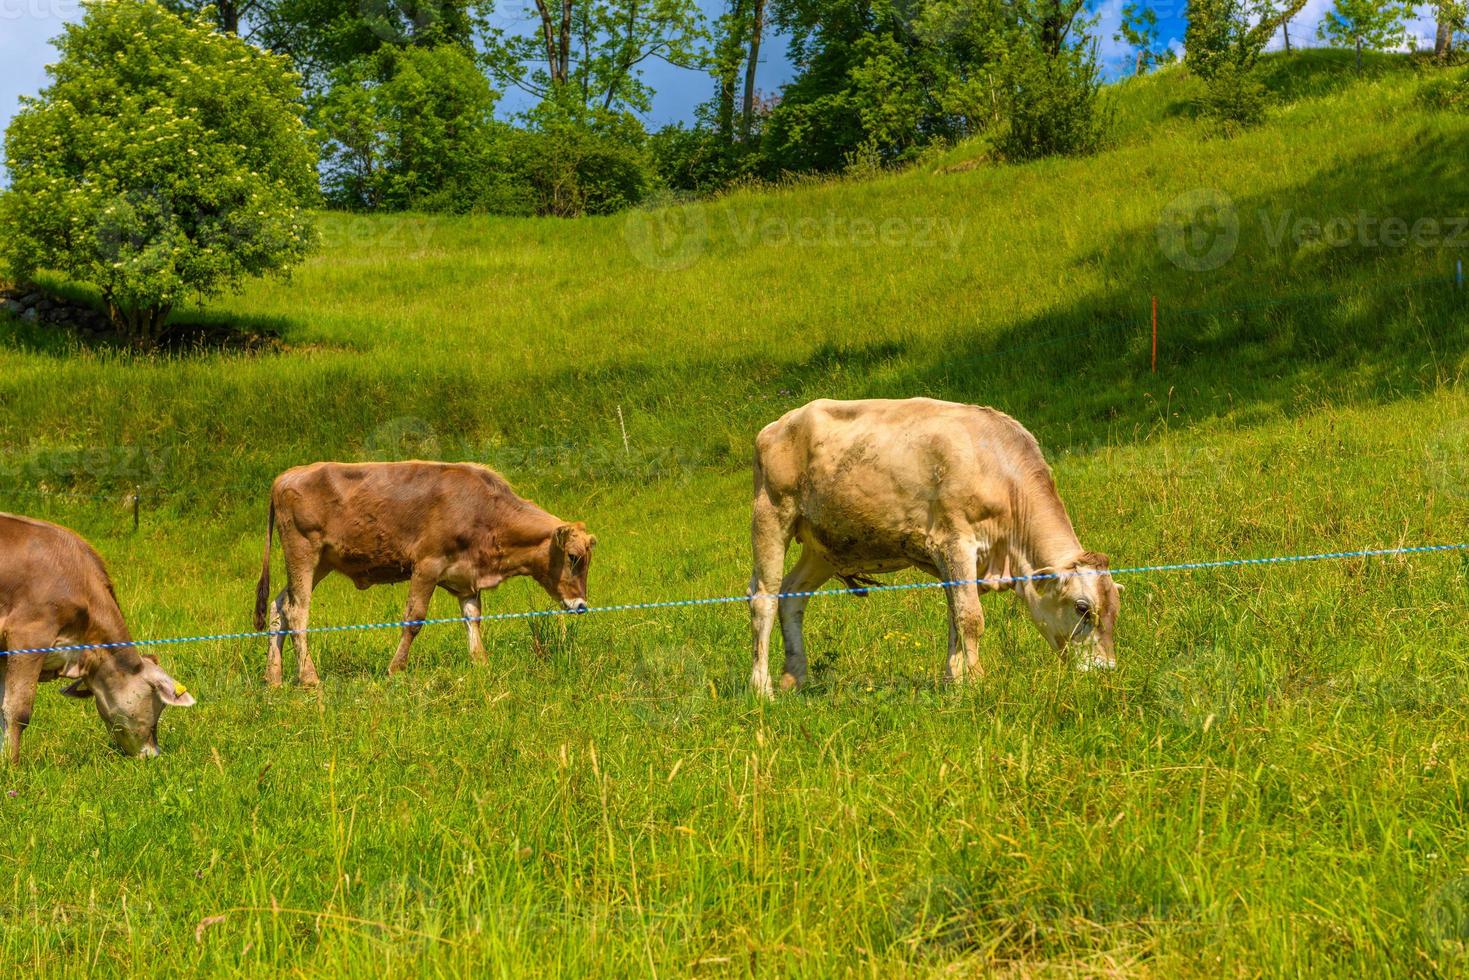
{"x":72,"y":668}
{"x":591,"y":542}
{"x":169,"y":690}
{"x":561,"y":536}
{"x":1043,"y":580}
{"x":78,"y":689}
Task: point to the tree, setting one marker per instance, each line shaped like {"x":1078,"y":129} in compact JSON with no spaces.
{"x":163,"y":160}
{"x":322,"y":36}
{"x":1230,"y":35}
{"x":1374,"y":24}
{"x":1139,"y":31}
{"x":593,"y":50}
{"x":1051,"y":80}
{"x":411,"y":128}
{"x":1451,"y":16}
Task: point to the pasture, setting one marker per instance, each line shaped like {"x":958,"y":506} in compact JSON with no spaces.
{"x":1274,"y":780}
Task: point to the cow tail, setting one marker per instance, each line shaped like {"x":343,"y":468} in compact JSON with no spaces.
{"x":262,"y":588}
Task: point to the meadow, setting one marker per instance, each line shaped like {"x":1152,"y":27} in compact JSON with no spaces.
{"x":1273,"y":781}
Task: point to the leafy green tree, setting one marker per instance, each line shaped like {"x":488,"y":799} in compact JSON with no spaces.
{"x":592,"y":52}
{"x":1223,"y":42}
{"x":1052,"y":82}
{"x":163,"y":160}
{"x":734,"y":49}
{"x":1373,"y":24}
{"x":578,"y":161}
{"x":323,"y":36}
{"x":878,"y":77}
{"x":414,"y":128}
{"x":1230,"y":35}
{"x":1139,"y":31}
{"x":1451,"y":16}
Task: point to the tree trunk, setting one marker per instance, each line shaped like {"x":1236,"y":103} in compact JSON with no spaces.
{"x":1443,"y":40}
{"x":1359,"y":54}
{"x":556,"y":35}
{"x":1285,"y":32}
{"x":1141,"y":61}
{"x":726,"y":106}
{"x":565,"y":48}
{"x":757,"y":29}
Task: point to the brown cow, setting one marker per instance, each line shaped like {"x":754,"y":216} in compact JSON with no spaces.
{"x":957,"y":491}
{"x":54,"y":591}
{"x":454,"y":526}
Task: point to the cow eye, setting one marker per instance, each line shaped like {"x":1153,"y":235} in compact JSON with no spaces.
{"x":1083,"y":608}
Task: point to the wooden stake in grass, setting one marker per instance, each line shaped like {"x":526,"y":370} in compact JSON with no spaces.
{"x":626,"y":446}
{"x":136,"y":501}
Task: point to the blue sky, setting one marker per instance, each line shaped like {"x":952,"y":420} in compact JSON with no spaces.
{"x":26,"y":27}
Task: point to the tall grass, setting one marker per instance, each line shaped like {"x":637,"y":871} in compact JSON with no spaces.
{"x":1273,"y":781}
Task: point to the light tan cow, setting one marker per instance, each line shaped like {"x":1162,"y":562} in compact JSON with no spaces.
{"x":957,"y":491}
{"x":54,"y":591}
{"x":452,"y":526}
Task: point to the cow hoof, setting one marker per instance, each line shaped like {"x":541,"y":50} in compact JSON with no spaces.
{"x":272,"y":680}
{"x":790,"y":683}
{"x":311,"y":680}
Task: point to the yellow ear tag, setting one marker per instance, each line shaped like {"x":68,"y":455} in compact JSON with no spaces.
{"x":179,"y":690}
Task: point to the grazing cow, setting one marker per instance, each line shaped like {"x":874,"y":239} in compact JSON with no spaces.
{"x":454,"y":526}
{"x":957,"y":491}
{"x":54,"y":591}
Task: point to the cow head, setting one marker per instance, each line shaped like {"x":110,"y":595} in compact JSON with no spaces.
{"x":130,"y":692}
{"x":1076,"y":608}
{"x":571,"y":559}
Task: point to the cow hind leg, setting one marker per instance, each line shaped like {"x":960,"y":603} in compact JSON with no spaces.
{"x":810,"y":573}
{"x":296,"y":609}
{"x":420,"y":591}
{"x":771,"y":534}
{"x":277,"y":640}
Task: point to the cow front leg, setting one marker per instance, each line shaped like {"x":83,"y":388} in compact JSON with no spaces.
{"x":966,"y":616}
{"x":769,"y":539}
{"x":469,"y":607}
{"x":420,"y":591}
{"x":810,"y":573}
{"x":22,"y":676}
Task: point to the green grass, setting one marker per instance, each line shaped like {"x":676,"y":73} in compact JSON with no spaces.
{"x":1274,"y":780}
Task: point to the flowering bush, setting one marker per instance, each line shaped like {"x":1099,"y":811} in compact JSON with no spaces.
{"x":164,"y":160}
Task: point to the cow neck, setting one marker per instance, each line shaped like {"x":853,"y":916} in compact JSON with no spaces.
{"x":1044,"y":537}
{"x":523,"y":536}
{"x":108,"y":626}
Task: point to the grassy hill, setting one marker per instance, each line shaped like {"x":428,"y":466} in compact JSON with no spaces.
{"x":1273,"y":780}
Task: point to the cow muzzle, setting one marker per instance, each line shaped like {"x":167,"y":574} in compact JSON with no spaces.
{"x":575,"y":605}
